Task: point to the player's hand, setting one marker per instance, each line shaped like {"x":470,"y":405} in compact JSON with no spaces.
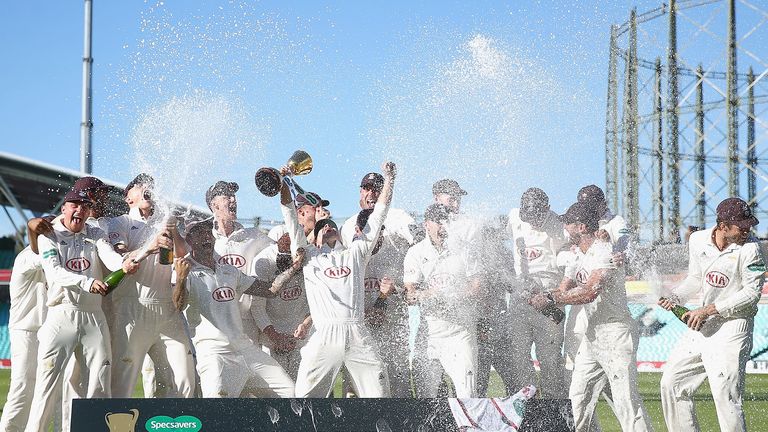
{"x":182,"y":268}
{"x":130,"y":266}
{"x":603,"y":235}
{"x":412,"y":297}
{"x":539,"y":301}
{"x":298,"y":259}
{"x":389,"y":169}
{"x":301,"y":330}
{"x":697,"y":317}
{"x":386,"y":286}
{"x":162,"y":240}
{"x":39,"y":226}
{"x":618,"y":259}
{"x":99,"y":287}
{"x":665,"y":303}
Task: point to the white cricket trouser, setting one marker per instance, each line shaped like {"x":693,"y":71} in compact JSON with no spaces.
{"x":510,"y":358}
{"x":454,"y":347}
{"x":140,"y":324}
{"x":68,"y":330}
{"x":22,"y":388}
{"x":290,"y":360}
{"x":392,"y":340}
{"x":333,"y":345}
{"x":608,"y":354}
{"x":719,"y":352}
{"x":248,"y":371}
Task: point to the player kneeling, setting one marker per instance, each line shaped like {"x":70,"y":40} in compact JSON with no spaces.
{"x":228,"y":363}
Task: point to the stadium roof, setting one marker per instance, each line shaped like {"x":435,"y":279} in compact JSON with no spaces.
{"x":27,"y":184}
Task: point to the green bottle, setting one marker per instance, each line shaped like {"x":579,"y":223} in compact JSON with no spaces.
{"x":678,"y":310}
{"x":113,"y":279}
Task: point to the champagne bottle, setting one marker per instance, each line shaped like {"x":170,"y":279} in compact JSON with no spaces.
{"x":113,"y":279}
{"x":166,"y":255}
{"x":554,"y":313}
{"x":381,"y":302}
{"x":678,"y":310}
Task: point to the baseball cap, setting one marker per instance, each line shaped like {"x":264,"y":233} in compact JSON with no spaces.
{"x":320,"y":201}
{"x":591,"y":194}
{"x":221,"y":188}
{"x":323,"y":222}
{"x":737,"y":212}
{"x":448,"y":186}
{"x":89,"y":183}
{"x":372,"y":180}
{"x":306,"y":199}
{"x":141,"y":179}
{"x":77,"y":196}
{"x":533,"y":203}
{"x":437,"y":213}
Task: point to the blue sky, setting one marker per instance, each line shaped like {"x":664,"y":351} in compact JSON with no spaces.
{"x":498,"y":95}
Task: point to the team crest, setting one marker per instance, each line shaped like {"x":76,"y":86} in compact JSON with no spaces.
{"x":223,"y":294}
{"x":582,"y":276}
{"x":79,"y":264}
{"x":716,"y":279}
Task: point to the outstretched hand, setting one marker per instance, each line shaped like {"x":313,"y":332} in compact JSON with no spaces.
{"x":389,"y":169}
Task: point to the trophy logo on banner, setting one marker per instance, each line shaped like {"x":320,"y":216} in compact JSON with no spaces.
{"x":122,"y":422}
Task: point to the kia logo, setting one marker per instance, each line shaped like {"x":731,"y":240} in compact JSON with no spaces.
{"x":78,"y":264}
{"x":441,"y":281}
{"x":223,"y":294}
{"x":292,"y":293}
{"x":717,"y":279}
{"x":372,"y":285}
{"x":582,"y":276}
{"x":233,"y":260}
{"x":531,"y":253}
{"x":337,"y":272}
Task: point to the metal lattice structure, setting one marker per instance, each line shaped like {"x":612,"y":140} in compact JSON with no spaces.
{"x":686,"y":118}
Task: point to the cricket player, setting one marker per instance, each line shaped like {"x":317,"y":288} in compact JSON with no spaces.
{"x":283,"y":319}
{"x":608,"y":351}
{"x":27,"y":290}
{"x":334,"y":281}
{"x":445,"y":283}
{"x":536,"y":235}
{"x":306,"y":212}
{"x":235,"y":245}
{"x":727,"y":269}
{"x":229,"y":364}
{"x":388,"y":322}
{"x":144,"y":314}
{"x":72,"y":260}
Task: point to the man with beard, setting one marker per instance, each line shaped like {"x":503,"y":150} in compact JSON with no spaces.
{"x":445,"y":283}
{"x":146,"y":321}
{"x":536,"y":235}
{"x":75,"y":324}
{"x":334,"y":281}
{"x":608,"y":350}
{"x":229,"y":364}
{"x":385,"y":307}
{"x":235,"y":245}
{"x":727,"y":268}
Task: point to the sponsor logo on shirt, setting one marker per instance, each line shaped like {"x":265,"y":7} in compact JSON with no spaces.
{"x":716,"y":279}
{"x":134,"y":227}
{"x":441,"y":280}
{"x":337,"y":272}
{"x":223,"y":294}
{"x":233,"y":260}
{"x":113,"y":235}
{"x":79,"y":264}
{"x":372,"y":285}
{"x":531,"y":253}
{"x":291,"y":293}
{"x":582,"y":276}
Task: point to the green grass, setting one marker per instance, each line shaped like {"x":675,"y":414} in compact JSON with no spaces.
{"x":755,"y":401}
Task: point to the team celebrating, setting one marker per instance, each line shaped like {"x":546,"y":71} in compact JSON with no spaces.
{"x":245,"y":313}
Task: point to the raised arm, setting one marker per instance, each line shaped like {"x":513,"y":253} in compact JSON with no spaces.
{"x":376,"y":220}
